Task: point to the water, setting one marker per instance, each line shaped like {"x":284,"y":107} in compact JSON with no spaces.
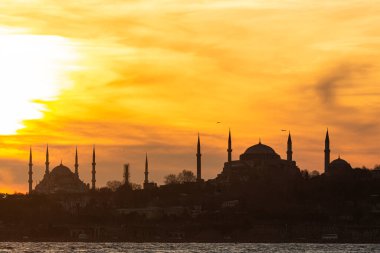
{"x":183,"y":247}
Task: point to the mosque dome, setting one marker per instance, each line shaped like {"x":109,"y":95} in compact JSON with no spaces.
{"x":61,"y":179}
{"x":60,"y":171}
{"x":259,"y":151}
{"x":339,"y":165}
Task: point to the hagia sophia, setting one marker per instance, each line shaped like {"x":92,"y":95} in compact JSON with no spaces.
{"x":257,"y":160}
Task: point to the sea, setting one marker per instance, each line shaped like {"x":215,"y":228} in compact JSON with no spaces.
{"x":183,"y":247}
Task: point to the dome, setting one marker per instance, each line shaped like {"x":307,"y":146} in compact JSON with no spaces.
{"x":61,"y":179}
{"x":259,"y":151}
{"x":60,"y":170}
{"x":339,"y":165}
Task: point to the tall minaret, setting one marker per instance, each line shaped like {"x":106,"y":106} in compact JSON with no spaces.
{"x":199,"y":169}
{"x":229,"y":150}
{"x":290,"y":148}
{"x":327,"y":150}
{"x":76,"y":162}
{"x":30,"y":172}
{"x":93,"y":169}
{"x":47,"y":162}
{"x":146,"y":169}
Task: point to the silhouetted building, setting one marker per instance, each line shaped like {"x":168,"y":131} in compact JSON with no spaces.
{"x":147,"y":184}
{"x":338,"y":166}
{"x":126,"y":174}
{"x":327,"y":151}
{"x":76,"y":162}
{"x":93,"y":181}
{"x":229,"y":149}
{"x":47,"y":163}
{"x":199,"y":162}
{"x":258,"y":160}
{"x":30,"y":181}
{"x":289,"y":152}
{"x":60,"y":179}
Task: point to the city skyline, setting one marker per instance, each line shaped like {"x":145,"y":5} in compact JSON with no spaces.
{"x":135,"y":76}
{"x":198,"y":171}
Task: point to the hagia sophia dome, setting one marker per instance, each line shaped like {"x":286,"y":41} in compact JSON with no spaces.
{"x":259,"y":151}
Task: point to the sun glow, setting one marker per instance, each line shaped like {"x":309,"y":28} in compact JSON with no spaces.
{"x":32,"y":68}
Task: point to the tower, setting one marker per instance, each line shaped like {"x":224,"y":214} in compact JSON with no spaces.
{"x":290,"y":149}
{"x":126,"y":174}
{"x":76,"y":165}
{"x":146,"y":181}
{"x":327,"y":150}
{"x":93,"y":169}
{"x":199,"y":169}
{"x":229,"y":150}
{"x":30,"y":172}
{"x":47,"y":162}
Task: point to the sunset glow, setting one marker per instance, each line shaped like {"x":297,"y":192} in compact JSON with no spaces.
{"x":32,"y":70}
{"x":146,"y":76}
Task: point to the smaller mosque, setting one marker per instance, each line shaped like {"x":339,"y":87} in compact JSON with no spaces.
{"x":336,"y":167}
{"x":61,"y":179}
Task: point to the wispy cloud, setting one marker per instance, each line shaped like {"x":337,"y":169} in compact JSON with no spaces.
{"x":153,"y":73}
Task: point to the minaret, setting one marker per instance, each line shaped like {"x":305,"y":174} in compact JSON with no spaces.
{"x":126,"y":174}
{"x":47,"y":162}
{"x":76,"y":162}
{"x":327,"y":150}
{"x":290,"y":148}
{"x":30,"y":172}
{"x":199,"y":169}
{"x":93,"y":169}
{"x":229,"y":150}
{"x":146,"y":181}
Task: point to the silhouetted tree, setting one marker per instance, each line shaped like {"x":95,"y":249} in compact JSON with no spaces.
{"x":171,"y":179}
{"x":114,"y":185}
{"x":186,"y":176}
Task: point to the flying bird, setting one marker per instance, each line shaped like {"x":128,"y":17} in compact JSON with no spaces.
{"x":218,"y":122}
{"x":283,"y":130}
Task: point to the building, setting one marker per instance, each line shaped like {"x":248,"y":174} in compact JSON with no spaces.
{"x":147,"y":184}
{"x":257,"y":161}
{"x":61,"y":179}
{"x":337,"y":166}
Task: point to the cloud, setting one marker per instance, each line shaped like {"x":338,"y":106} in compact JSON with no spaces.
{"x":154,"y":73}
{"x":330,"y":86}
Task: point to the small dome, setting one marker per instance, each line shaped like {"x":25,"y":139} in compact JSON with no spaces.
{"x":260,"y":149}
{"x":339,"y":165}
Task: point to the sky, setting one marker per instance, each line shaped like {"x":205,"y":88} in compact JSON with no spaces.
{"x":137,"y":76}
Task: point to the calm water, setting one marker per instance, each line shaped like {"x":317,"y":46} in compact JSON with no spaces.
{"x":184,"y":248}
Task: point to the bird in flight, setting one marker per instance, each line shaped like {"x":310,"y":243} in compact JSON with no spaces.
{"x":218,"y":122}
{"x":283,"y":130}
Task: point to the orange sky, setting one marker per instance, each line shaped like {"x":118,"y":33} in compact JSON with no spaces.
{"x":146,"y":76}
